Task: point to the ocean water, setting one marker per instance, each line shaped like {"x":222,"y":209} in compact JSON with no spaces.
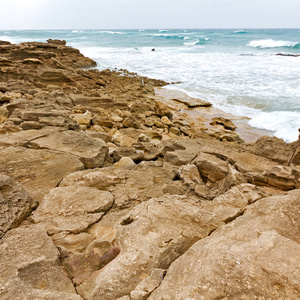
{"x":235,"y":69}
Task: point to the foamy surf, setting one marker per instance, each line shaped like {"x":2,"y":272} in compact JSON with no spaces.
{"x":282,"y":123}
{"x":270,"y":43}
{"x":236,"y":71}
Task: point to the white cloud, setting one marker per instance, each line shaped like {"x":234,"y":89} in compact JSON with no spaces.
{"x":60,"y":14}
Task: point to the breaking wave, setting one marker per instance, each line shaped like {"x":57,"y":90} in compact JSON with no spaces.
{"x":269,"y":43}
{"x":241,"y":31}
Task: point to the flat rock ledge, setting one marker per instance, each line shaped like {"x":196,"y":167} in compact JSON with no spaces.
{"x":109,"y":192}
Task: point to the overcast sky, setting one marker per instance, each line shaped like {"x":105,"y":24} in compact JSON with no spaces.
{"x":138,"y":14}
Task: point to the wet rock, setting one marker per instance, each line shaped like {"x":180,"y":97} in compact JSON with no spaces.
{"x":193,"y":102}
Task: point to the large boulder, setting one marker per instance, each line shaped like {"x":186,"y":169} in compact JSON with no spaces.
{"x":255,"y":256}
{"x":151,"y":236}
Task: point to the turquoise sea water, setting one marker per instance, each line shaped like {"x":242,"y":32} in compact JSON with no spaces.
{"x":235,"y":69}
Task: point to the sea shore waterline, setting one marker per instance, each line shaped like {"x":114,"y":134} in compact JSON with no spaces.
{"x":237,"y":70}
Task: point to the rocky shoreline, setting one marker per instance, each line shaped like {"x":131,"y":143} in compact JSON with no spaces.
{"x":110,"y":190}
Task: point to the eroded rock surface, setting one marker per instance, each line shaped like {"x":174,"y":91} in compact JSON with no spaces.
{"x":138,"y":199}
{"x":30,"y":267}
{"x":254,"y":256}
{"x":15,"y":204}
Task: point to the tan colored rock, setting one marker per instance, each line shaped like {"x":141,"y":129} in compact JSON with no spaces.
{"x":38,"y":171}
{"x":92,"y":152}
{"x":30,"y":267}
{"x":151,"y":236}
{"x":165,"y":120}
{"x":15,"y":204}
{"x":281,"y":177}
{"x":145,"y":181}
{"x":180,"y":152}
{"x":190,"y":175}
{"x":193,"y":102}
{"x":227,"y":123}
{"x":211,"y":167}
{"x":226,"y":135}
{"x":273,"y":148}
{"x":162,"y":109}
{"x":83,"y":119}
{"x":72,"y":209}
{"x":3,"y":114}
{"x":98,"y":178}
{"x":148,"y":285}
{"x":125,"y":162}
{"x":135,"y":155}
{"x":255,"y":256}
{"x":34,"y":61}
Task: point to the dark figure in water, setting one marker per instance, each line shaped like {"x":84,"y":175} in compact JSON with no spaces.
{"x":296,"y":149}
{"x":153,"y":49}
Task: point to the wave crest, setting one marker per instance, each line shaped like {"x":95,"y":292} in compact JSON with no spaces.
{"x":241,"y":31}
{"x":269,"y":43}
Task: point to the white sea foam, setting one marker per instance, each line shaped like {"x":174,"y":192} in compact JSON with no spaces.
{"x":283,"y":123}
{"x":111,"y":32}
{"x":241,"y":31}
{"x":163,"y":30}
{"x":192,"y":43}
{"x":269,"y":43}
{"x":8,"y":39}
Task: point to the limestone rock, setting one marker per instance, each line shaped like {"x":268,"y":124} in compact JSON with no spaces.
{"x":72,"y":209}
{"x":162,"y":109}
{"x":193,"y":102}
{"x":148,"y":285}
{"x":273,"y":148}
{"x":281,"y":177}
{"x":38,"y":171}
{"x":15,"y":204}
{"x":98,"y":178}
{"x":226,"y":135}
{"x":154,"y":180}
{"x":3,"y":114}
{"x":180,"y":152}
{"x":151,"y":236}
{"x":135,"y":155}
{"x":227,"y":123}
{"x":245,"y":259}
{"x":211,"y":167}
{"x":30,"y":267}
{"x":92,"y":152}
